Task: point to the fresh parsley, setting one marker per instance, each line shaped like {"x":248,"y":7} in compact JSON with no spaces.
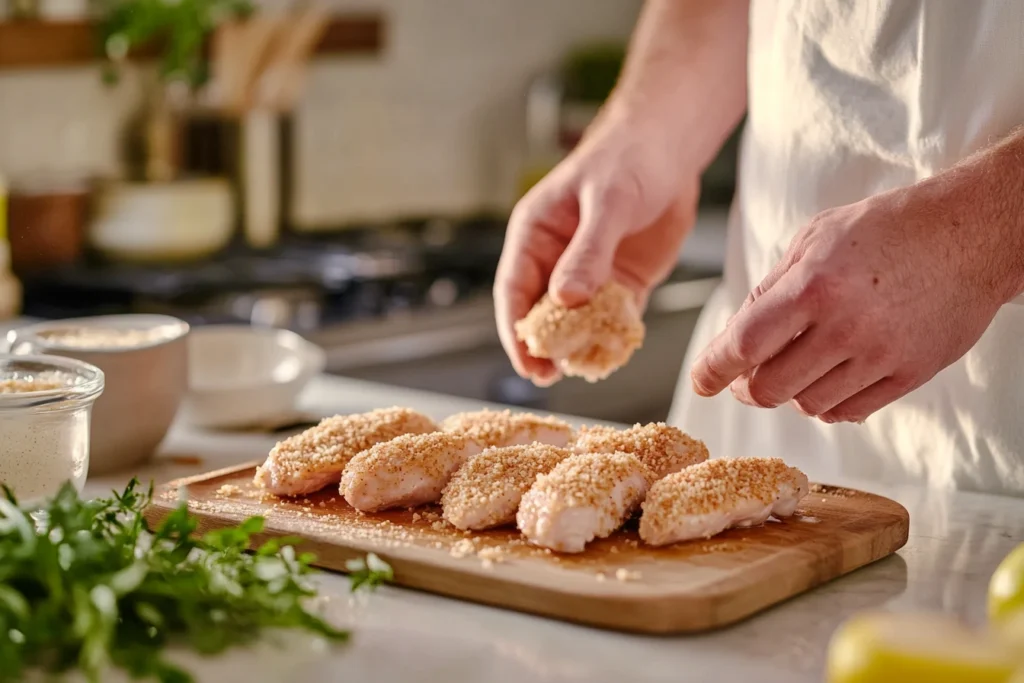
{"x":87,"y":584}
{"x":368,"y":573}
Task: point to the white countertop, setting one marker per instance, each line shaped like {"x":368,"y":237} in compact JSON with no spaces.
{"x":956,"y":541}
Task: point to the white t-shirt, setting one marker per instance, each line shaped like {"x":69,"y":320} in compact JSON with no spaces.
{"x":849,"y":98}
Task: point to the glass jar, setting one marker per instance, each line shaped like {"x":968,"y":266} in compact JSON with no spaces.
{"x":45,"y":410}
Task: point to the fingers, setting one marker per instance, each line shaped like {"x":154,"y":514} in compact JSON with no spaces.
{"x":843,"y":381}
{"x":587,"y":262}
{"x":776,"y":381}
{"x":860,"y":406}
{"x":755,"y":335}
{"x":518,"y":284}
{"x":511,"y":305}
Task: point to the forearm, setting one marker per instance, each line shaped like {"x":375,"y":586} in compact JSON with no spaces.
{"x":685,"y":77}
{"x":979,"y":205}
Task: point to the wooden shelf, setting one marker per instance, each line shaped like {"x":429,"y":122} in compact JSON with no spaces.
{"x":27,"y":44}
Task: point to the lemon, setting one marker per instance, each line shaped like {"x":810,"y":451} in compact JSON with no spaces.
{"x":1006,"y":587}
{"x":907,"y":648}
{"x":1010,"y":632}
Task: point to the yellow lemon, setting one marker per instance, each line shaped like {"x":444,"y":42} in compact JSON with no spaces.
{"x":1006,"y":587}
{"x":912,"y":648}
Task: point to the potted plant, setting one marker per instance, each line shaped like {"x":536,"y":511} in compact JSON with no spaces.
{"x":177,"y":29}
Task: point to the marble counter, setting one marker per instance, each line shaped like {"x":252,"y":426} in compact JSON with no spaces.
{"x":956,"y":541}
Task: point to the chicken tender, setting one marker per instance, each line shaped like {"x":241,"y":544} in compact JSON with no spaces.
{"x":591,"y":341}
{"x":494,"y":428}
{"x":586,"y":496}
{"x":485,"y":492}
{"x":314,"y":459}
{"x":664,"y":449}
{"x":407,"y":471}
{"x":716,"y":495}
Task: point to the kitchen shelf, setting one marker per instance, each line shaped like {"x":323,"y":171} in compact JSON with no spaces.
{"x":29,"y":43}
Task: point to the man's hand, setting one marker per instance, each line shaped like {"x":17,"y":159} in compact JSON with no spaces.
{"x":614,"y":209}
{"x":622,"y":203}
{"x":873,"y":299}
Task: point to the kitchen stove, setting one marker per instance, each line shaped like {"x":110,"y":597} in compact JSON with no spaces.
{"x":304,"y":283}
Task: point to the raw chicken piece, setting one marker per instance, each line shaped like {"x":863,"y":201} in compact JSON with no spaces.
{"x":485,"y":492}
{"x":494,"y":428}
{"x":586,"y":496}
{"x":407,"y":471}
{"x":315,"y":458}
{"x":716,"y":495}
{"x":662,"y":448}
{"x":591,"y":341}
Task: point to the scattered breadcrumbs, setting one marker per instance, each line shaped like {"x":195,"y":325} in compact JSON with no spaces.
{"x":623,"y":574}
{"x":416,"y":516}
{"x":663,"y":448}
{"x":316,"y":457}
{"x":438,"y":526}
{"x":486,"y":491}
{"x":462,"y":548}
{"x":589,"y":341}
{"x":228,"y":490}
{"x":490,"y":428}
{"x":491,"y":554}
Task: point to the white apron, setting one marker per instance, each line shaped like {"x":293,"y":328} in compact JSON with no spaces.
{"x":849,"y":98}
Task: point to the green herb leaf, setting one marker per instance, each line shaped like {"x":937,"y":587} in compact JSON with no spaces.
{"x":87,"y":584}
{"x":368,"y":573}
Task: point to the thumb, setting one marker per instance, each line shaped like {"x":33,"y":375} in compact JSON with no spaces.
{"x":586,"y":264}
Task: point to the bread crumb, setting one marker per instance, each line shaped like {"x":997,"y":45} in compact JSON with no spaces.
{"x":228,"y":490}
{"x":416,"y":516}
{"x":462,"y":548}
{"x":437,"y":526}
{"x":492,"y":554}
{"x":623,"y":574}
{"x":600,"y":576}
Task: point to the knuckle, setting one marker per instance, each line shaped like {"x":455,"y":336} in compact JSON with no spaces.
{"x":818,"y":290}
{"x":762,"y":393}
{"x":809,"y":405}
{"x":745,"y":342}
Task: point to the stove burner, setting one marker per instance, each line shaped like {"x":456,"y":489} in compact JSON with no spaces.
{"x":304,"y":283}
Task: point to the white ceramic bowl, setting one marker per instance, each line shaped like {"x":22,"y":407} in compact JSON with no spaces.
{"x":179,"y":220}
{"x":239,"y":376}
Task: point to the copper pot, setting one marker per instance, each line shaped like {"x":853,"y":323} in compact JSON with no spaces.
{"x":46,"y":223}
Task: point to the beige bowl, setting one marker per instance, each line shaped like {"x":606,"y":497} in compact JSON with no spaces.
{"x":145,"y":361}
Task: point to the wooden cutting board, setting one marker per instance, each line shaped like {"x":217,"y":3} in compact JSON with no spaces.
{"x":617,"y":583}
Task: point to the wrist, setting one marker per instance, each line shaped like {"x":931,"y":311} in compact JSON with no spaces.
{"x":980,"y":204}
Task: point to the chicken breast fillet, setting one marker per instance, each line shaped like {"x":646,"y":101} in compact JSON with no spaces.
{"x":586,"y":496}
{"x":309,"y":461}
{"x":407,"y":471}
{"x":716,"y":495}
{"x":663,"y":448}
{"x":591,"y":341}
{"x":494,"y":428}
{"x":485,"y":492}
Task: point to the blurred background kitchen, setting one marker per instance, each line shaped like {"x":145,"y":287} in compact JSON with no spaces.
{"x":343,"y":170}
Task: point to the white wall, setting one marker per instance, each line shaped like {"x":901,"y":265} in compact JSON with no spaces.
{"x":433,"y":125}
